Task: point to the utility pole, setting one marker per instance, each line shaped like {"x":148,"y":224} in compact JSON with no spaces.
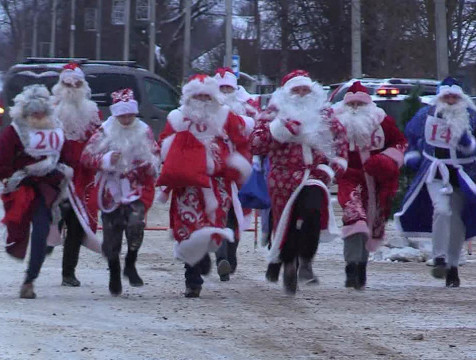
{"x":127,"y":27}
{"x":72,"y":29}
{"x":228,"y":31}
{"x":34,"y":41}
{"x":186,"y":42}
{"x":356,"y":40}
{"x":98,"y":30}
{"x":152,"y":36}
{"x":53,"y":28}
{"x":441,"y":36}
{"x":257,"y":17}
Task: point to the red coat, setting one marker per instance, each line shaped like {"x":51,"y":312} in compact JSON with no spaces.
{"x":116,"y":187}
{"x":366,"y":189}
{"x":198,"y":215}
{"x":82,"y":191}
{"x":21,"y":197}
{"x":292,"y":166}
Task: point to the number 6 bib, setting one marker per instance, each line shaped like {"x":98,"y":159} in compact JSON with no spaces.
{"x":437,"y":132}
{"x":46,"y":142}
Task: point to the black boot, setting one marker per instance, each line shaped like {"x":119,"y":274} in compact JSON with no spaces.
{"x":70,"y":280}
{"x":224,"y":270}
{"x":272,"y":273}
{"x":290,"y":277}
{"x":439,"y":268}
{"x":361,"y":279}
{"x":130,"y":270}
{"x":452,"y":278}
{"x":115,"y":285}
{"x":232,"y":248}
{"x":350,"y":274}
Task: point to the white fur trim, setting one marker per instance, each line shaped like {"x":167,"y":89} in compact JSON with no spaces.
{"x":240,"y":218}
{"x":195,"y":87}
{"x":470,"y":149}
{"x":279,"y":131}
{"x":249,"y":124}
{"x":166,"y":144}
{"x":298,"y":81}
{"x":242,"y":95}
{"x":70,"y":76}
{"x":395,"y":155}
{"x":211,"y":202}
{"x":239,"y":162}
{"x":273,"y":255}
{"x":200,"y":242}
{"x":228,"y":80}
{"x":411,"y":155}
{"x":449,"y":90}
{"x":67,"y":171}
{"x":341,"y":162}
{"x":124,"y":107}
{"x":106,"y":161}
{"x":327,"y":170}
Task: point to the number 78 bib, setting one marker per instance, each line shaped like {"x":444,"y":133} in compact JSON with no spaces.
{"x":437,"y":132}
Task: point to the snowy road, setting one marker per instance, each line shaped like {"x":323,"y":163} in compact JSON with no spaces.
{"x":403,"y":314}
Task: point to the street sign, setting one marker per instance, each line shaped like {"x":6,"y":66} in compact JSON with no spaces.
{"x":235,"y":65}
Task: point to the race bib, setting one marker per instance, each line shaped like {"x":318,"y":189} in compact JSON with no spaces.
{"x":437,"y":132}
{"x":377,"y":139}
{"x":46,"y":142}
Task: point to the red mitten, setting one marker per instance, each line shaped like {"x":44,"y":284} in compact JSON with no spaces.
{"x":381,"y":167}
{"x":293,"y":126}
{"x":387,"y":192}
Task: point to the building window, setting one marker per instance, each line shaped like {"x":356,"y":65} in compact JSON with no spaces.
{"x":118,"y":14}
{"x":142,"y":9}
{"x":90,"y":19}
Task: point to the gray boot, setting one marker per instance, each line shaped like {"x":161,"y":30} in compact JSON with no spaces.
{"x":305,"y":272}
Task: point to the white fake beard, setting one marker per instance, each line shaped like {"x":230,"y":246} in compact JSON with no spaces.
{"x":132,"y":142}
{"x":76,"y":112}
{"x":457,"y":118}
{"x":360,"y":123}
{"x":202,"y":112}
{"x":315,"y":125}
{"x":232,"y":102}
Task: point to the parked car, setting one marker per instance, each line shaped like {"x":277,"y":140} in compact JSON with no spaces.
{"x":389,"y":94}
{"x":155,"y":95}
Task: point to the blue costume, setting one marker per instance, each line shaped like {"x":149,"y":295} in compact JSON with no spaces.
{"x":441,"y":201}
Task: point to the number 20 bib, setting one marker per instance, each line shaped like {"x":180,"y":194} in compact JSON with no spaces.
{"x":45,"y":142}
{"x":437,"y":132}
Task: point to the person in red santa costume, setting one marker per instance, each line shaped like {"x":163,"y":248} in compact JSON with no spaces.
{"x":124,"y":153}
{"x":236,"y":99}
{"x":80,"y":118}
{"x":33,"y":177}
{"x":366,"y":190}
{"x":307,"y":149}
{"x":198,"y":210}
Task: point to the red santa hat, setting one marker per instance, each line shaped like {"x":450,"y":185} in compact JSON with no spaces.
{"x":71,"y":74}
{"x":201,"y":84}
{"x":296,"y":78}
{"x":357,"y":92}
{"x":226,"y":77}
{"x":123,"y":103}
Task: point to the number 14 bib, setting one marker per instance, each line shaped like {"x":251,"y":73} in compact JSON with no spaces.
{"x":437,"y":132}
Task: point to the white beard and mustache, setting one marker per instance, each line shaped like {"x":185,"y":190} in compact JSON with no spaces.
{"x":234,"y":104}
{"x":360,"y":123}
{"x":132,"y":142}
{"x":76,"y":112}
{"x":308,"y":110}
{"x":457,"y":118}
{"x":202,"y":112}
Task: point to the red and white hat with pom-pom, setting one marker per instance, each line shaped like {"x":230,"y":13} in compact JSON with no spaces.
{"x":201,"y":84}
{"x":296,"y":78}
{"x":123,"y":103}
{"x":357,"y":92}
{"x":71,"y":74}
{"x":226,"y":77}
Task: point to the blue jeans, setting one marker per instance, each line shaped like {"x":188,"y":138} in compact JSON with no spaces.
{"x":41,"y":227}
